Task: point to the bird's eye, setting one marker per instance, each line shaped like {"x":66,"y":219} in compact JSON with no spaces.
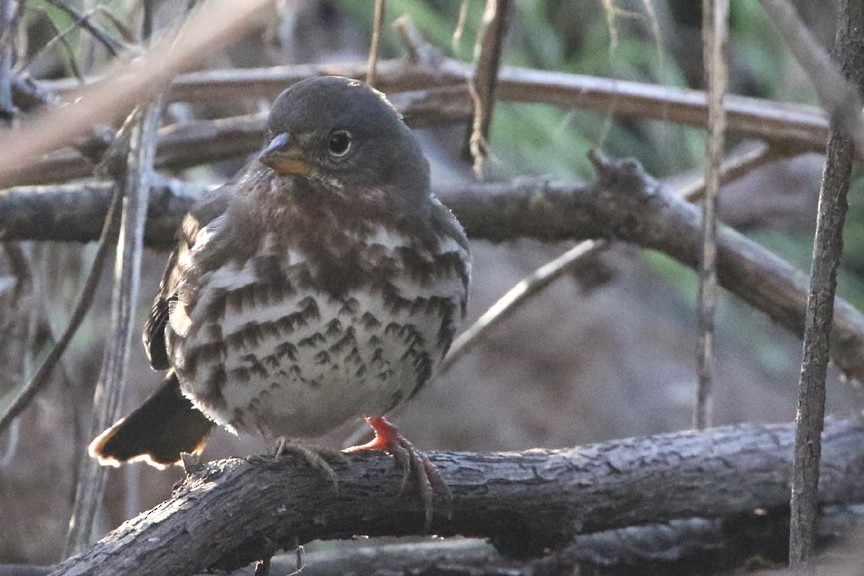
{"x":339,"y":143}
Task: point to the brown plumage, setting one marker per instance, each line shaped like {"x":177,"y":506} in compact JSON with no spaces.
{"x":323,"y":284}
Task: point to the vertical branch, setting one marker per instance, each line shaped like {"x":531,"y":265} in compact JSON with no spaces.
{"x":40,"y":378}
{"x":488,"y":58}
{"x":460,"y":26}
{"x":8,"y":30}
{"x":112,"y":378}
{"x":378,"y":22}
{"x":827,"y":249}
{"x":715,"y":14}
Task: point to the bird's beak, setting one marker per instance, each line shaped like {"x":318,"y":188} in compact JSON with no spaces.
{"x":284,"y":155}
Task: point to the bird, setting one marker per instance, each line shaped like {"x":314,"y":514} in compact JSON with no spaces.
{"x":322,"y":284}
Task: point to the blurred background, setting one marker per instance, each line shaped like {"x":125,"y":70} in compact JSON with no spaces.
{"x":608,"y":351}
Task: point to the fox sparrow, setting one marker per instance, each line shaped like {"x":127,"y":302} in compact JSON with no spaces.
{"x":323,"y":283}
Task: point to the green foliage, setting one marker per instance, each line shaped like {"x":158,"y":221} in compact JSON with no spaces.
{"x":537,"y":139}
{"x":68,"y":37}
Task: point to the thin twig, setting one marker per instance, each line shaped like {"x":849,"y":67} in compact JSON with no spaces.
{"x":378,"y":22}
{"x":516,"y":296}
{"x":715,"y":14}
{"x":840,"y":99}
{"x":533,"y":284}
{"x":127,"y":272}
{"x":85,"y":301}
{"x":490,"y":42}
{"x":20,"y":269}
{"x":734,"y":168}
{"x":8,"y":31}
{"x":456,"y":40}
{"x":59,"y":37}
{"x":219,"y":21}
{"x":827,"y":250}
{"x":83,"y":20}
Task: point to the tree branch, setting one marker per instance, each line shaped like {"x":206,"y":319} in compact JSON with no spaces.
{"x":624,"y":204}
{"x":715,"y":29}
{"x":137,"y":175}
{"x":839,"y":96}
{"x":784,"y":124}
{"x":694,"y":545}
{"x":487,"y":49}
{"x":232,"y":512}
{"x":827,"y":250}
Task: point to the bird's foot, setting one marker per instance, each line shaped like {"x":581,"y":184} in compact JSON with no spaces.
{"x":388,"y":439}
{"x":316,"y":456}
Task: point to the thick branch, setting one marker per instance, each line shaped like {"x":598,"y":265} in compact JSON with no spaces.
{"x":193,"y":143}
{"x":624,"y":204}
{"x":796,"y":125}
{"x":444,"y":97}
{"x":696,"y":545}
{"x":232,"y":512}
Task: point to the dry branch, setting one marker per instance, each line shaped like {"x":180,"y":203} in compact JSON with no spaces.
{"x":232,"y":512}
{"x":443,"y":97}
{"x":695,"y":545}
{"x":795,"y":124}
{"x":624,"y":204}
{"x":827,"y":251}
{"x":715,"y":30}
{"x":488,"y":49}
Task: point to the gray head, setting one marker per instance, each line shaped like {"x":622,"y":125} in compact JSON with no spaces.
{"x":337,"y":131}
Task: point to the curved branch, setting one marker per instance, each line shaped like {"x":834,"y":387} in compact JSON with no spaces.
{"x":232,"y":512}
{"x":624,"y":204}
{"x":443,"y":97}
{"x":795,"y":124}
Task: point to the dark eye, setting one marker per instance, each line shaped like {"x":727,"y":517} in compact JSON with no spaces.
{"x":339,"y":143}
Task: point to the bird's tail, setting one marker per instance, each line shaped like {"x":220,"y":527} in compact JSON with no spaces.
{"x":166,"y":424}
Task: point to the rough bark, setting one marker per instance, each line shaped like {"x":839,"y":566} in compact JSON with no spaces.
{"x":232,"y":512}
{"x":624,"y":204}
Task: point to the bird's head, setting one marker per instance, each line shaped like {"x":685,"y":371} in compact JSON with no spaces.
{"x":338,"y":132}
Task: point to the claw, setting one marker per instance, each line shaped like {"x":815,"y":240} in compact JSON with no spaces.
{"x":314,"y":455}
{"x":388,"y":439}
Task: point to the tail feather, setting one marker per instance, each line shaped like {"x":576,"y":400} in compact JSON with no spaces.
{"x":166,"y":424}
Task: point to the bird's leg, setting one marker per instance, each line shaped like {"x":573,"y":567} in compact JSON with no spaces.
{"x":388,"y":439}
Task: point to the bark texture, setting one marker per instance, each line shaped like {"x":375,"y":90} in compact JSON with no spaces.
{"x":232,"y":512}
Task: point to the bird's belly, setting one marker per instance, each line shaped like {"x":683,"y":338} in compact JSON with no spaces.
{"x":302,"y":364}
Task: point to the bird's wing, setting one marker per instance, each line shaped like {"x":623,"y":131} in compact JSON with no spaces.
{"x":212,"y":205}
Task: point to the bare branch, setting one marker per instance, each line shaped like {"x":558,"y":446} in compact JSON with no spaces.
{"x":127,"y":275}
{"x":734,"y":168}
{"x":839,"y":97}
{"x":540,"y":279}
{"x":88,"y":293}
{"x":83,"y":20}
{"x":524,"y":502}
{"x":529,"y":286}
{"x":689,"y":545}
{"x":715,"y":16}
{"x":488,"y":51}
{"x":378,"y":22}
{"x":219,"y":21}
{"x":624,"y":204}
{"x":827,"y":250}
{"x":8,"y":30}
{"x":793,"y":125}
